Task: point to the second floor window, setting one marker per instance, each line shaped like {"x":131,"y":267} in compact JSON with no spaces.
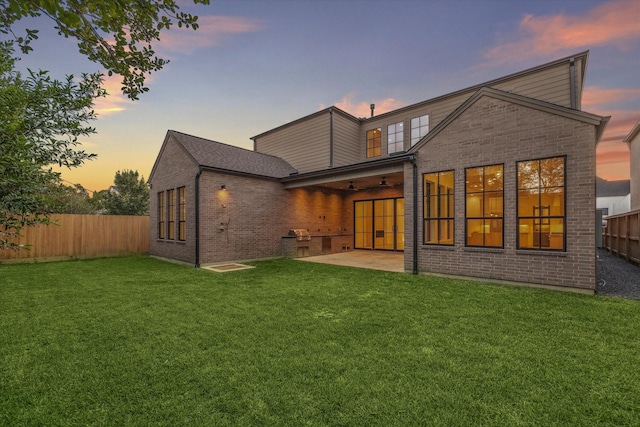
{"x":374,"y":142}
{"x":419,"y":128}
{"x":395,"y":137}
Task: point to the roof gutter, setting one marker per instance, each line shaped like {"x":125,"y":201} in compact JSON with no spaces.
{"x":414,"y":165}
{"x":197,"y":212}
{"x":572,"y":80}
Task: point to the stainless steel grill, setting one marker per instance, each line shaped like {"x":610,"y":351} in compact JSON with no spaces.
{"x":301,"y":234}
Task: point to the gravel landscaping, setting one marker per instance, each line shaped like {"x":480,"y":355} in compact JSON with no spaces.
{"x":617,"y":277}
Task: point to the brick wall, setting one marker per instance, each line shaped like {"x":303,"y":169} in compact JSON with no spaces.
{"x":493,"y":131}
{"x":174,"y":169}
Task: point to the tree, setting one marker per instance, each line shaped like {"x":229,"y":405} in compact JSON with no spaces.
{"x":114,"y":33}
{"x":72,"y":200}
{"x":40,"y":122}
{"x":128,"y":196}
{"x":41,"y":118}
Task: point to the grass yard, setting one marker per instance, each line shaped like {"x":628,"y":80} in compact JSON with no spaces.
{"x":137,"y":341}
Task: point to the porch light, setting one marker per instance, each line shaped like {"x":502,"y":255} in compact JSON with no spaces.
{"x":351,"y":187}
{"x":223,"y":187}
{"x":383,"y":183}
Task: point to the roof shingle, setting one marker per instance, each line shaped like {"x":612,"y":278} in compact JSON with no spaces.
{"x":221,"y":156}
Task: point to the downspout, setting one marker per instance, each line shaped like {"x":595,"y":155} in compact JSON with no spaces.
{"x":197,"y":212}
{"x":572,"y":79}
{"x":331,"y":137}
{"x":412,"y":160}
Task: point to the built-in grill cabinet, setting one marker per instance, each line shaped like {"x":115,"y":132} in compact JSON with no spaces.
{"x":302,"y":235}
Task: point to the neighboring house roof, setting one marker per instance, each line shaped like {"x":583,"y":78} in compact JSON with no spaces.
{"x":228,"y":158}
{"x":634,"y":132}
{"x":606,"y":188}
{"x":599,"y":121}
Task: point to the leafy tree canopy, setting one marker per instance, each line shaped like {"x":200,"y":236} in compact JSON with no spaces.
{"x":114,"y":33}
{"x":40,"y":122}
{"x":128,"y":196}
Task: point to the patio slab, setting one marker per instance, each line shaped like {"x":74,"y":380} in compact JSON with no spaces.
{"x":375,"y":260}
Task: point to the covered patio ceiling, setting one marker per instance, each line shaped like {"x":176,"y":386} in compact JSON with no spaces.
{"x":374,"y":174}
{"x":394,"y":179}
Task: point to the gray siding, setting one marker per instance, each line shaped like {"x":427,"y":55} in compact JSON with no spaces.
{"x":345,"y":137}
{"x":304,"y":145}
{"x":550,"y":84}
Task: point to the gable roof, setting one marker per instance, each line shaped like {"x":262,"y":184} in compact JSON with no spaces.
{"x":599,"y":121}
{"x":215,"y":155}
{"x":632,"y":134}
{"x":606,"y":188}
{"x":583,"y":56}
{"x":327,"y":110}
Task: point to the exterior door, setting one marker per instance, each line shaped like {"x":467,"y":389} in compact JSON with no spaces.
{"x":379,"y":224}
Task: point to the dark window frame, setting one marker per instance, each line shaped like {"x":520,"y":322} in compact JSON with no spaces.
{"x":182,"y":213}
{"x":171,"y":214}
{"x":162,"y":231}
{"x":483,"y":217}
{"x":438,"y":217}
{"x":374,"y":143}
{"x":541,"y":217}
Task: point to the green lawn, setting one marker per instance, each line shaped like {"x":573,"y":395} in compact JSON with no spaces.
{"x":137,"y":341}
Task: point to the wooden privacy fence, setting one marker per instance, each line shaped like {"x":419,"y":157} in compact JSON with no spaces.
{"x":621,"y":236}
{"x":82,"y":236}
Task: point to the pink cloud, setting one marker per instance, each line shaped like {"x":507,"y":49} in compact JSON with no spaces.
{"x":115,"y":101}
{"x":613,"y":23}
{"x":362,"y":109}
{"x":594,"y":96}
{"x":612,"y":161}
{"x":212,"y":31}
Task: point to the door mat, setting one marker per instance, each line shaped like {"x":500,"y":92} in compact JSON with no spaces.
{"x":223,"y":268}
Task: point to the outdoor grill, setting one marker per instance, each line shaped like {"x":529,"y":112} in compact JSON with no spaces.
{"x":302,"y":234}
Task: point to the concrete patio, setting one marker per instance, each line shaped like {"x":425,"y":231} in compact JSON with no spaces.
{"x":375,"y":260}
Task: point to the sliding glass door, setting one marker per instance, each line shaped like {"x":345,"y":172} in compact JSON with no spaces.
{"x":379,"y":224}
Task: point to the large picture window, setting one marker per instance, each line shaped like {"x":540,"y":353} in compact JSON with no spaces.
{"x":161,"y":216}
{"x":419,"y":128}
{"x":484,"y":206}
{"x":182,"y":214}
{"x":439,"y":208}
{"x":395,"y":137}
{"x":171,"y":213}
{"x":541,"y":204}
{"x":374,"y":142}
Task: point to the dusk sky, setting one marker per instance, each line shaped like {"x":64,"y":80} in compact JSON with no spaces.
{"x":255,"y":65}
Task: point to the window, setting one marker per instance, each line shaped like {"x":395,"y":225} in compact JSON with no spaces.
{"x":419,"y":128}
{"x":438,"y":208}
{"x":171,"y":216}
{"x":374,"y":142}
{"x":541,"y":204}
{"x":161,"y":212}
{"x":395,"y":137}
{"x":484,"y":206}
{"x":182,"y":214}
